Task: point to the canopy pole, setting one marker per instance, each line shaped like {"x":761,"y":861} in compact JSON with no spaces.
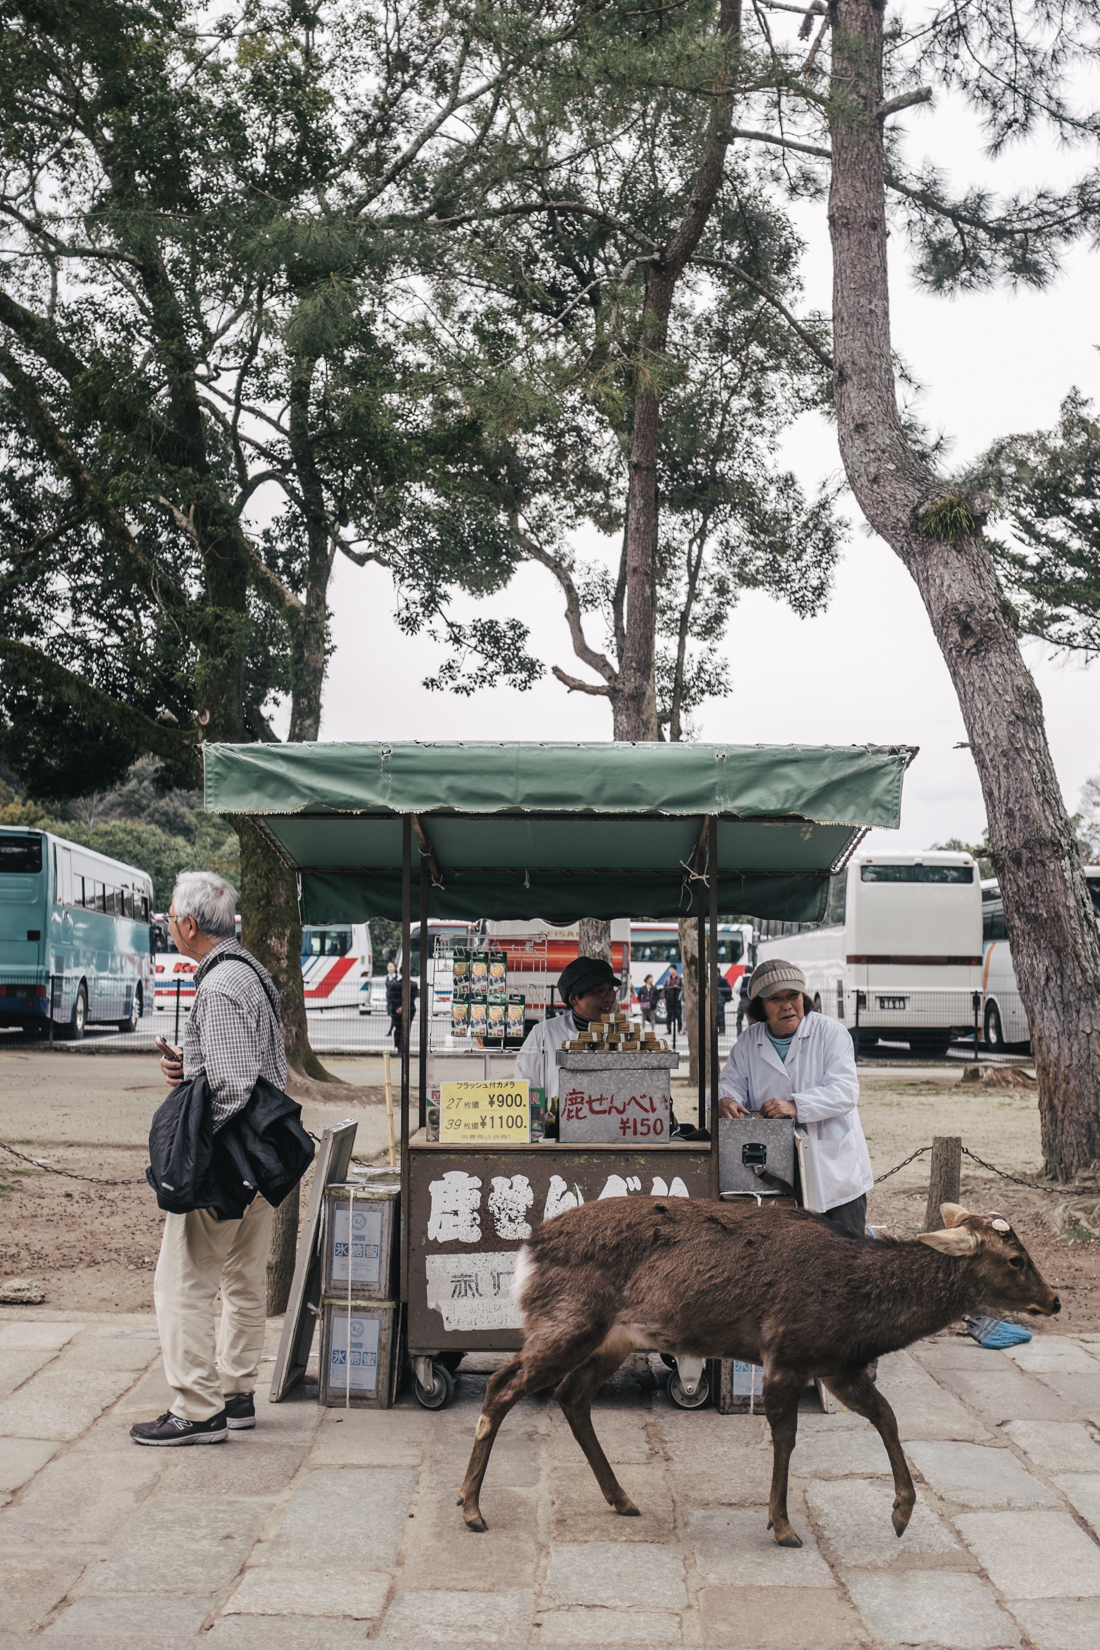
{"x":406,"y":994}
{"x":712,"y":858}
{"x":425,"y":1017}
{"x":701,"y":980}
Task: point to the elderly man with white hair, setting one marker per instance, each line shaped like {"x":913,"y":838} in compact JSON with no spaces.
{"x":234,"y":1037}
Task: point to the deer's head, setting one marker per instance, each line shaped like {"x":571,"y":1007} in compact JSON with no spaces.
{"x":1009,"y":1278}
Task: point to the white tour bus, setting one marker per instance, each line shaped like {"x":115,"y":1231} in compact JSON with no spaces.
{"x":901,"y":940}
{"x":1003,"y":1014}
{"x":336,"y":965}
{"x":655,"y":948}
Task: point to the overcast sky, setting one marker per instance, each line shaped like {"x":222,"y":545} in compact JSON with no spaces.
{"x":868,"y":671}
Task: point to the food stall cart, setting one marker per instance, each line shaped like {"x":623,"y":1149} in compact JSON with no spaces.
{"x":513,"y":831}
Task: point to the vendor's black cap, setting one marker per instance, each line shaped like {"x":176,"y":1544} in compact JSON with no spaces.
{"x":585,"y":974}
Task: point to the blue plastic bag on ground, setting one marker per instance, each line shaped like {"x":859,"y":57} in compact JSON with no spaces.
{"x":995,"y":1333}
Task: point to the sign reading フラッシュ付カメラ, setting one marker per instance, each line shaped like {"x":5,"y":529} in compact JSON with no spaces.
{"x":474,"y":1113}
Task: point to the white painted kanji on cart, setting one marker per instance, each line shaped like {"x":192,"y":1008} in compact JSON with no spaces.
{"x":456,"y":1201}
{"x":559,"y":1198}
{"x":509,"y":1201}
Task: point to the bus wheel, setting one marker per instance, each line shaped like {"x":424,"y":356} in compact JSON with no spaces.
{"x":994,"y":1032}
{"x":131,"y":1024}
{"x":74,"y":1031}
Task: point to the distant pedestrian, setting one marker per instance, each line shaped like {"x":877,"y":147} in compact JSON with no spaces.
{"x":742,"y":1000}
{"x":674,"y":1003}
{"x":394,"y":1004}
{"x":648,"y":997}
{"x":725,"y":995}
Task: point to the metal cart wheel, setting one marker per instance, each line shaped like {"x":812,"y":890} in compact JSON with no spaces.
{"x":441,"y":1391}
{"x":451,"y":1360}
{"x":685,"y":1400}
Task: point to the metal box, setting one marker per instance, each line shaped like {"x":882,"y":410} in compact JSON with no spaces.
{"x":359,"y":1242}
{"x":740,"y":1387}
{"x":748,"y":1143}
{"x":359,"y":1363}
{"x":615,"y":1099}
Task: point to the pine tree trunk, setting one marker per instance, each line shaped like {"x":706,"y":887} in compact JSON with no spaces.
{"x":594,"y":939}
{"x":272,"y":932}
{"x":281,"y":1254}
{"x":1055,"y":945}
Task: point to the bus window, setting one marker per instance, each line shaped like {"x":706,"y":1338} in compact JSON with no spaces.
{"x":994,"y":926}
{"x":21,"y":854}
{"x":656,"y":951}
{"x":916,"y":873}
{"x":731,"y":950}
{"x":836,"y":904}
{"x":1094,"y":890}
{"x":326,"y":942}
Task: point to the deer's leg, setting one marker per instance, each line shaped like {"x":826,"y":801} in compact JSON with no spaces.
{"x":535,"y":1367}
{"x":782,"y":1390}
{"x":575,"y":1395}
{"x":859,"y":1394}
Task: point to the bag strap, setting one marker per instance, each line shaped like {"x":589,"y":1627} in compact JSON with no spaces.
{"x":231,"y":956}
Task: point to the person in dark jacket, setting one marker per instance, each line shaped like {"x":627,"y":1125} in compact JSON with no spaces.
{"x":648,"y":998}
{"x":674,"y":1001}
{"x":743,"y":999}
{"x":234,"y":1037}
{"x":394,"y":1005}
{"x":725,"y":995}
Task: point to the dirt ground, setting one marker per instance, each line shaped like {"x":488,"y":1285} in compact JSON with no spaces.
{"x":94,"y":1247}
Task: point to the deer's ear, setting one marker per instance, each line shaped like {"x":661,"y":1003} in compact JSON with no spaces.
{"x":958,"y":1242}
{"x":953,"y":1214}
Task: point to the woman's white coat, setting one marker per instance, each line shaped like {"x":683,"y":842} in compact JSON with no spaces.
{"x":820,"y":1077}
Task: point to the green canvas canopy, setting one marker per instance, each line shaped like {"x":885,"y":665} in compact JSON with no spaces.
{"x":555,"y":831}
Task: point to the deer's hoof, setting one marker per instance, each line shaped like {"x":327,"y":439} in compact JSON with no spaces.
{"x":629,"y":1511}
{"x":477,"y":1525}
{"x":900,"y":1519}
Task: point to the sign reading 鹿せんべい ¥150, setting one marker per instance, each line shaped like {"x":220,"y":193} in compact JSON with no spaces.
{"x":478,"y":1112}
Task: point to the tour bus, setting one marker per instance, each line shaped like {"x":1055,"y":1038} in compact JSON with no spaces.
{"x":655,"y":948}
{"x":537,"y":952}
{"x":1003,"y":1018}
{"x":336,"y":966}
{"x":901,"y":941}
{"x":443,"y":935}
{"x":75,"y":936}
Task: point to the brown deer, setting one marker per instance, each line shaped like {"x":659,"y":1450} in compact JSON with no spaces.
{"x":779,"y":1287}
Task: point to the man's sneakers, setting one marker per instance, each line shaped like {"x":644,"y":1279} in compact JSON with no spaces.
{"x":169,"y":1430}
{"x":240,"y":1411}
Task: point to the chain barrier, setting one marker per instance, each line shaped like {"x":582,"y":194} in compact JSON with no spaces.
{"x":918,"y":1153}
{"x":1058,"y":1191}
{"x":37,"y":1163}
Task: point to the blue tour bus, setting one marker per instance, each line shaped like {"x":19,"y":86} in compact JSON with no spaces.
{"x":75,"y":936}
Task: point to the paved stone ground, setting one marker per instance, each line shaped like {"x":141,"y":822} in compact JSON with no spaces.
{"x":326,"y":1528}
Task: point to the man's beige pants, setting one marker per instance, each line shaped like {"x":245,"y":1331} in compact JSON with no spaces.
{"x":199,"y":1255}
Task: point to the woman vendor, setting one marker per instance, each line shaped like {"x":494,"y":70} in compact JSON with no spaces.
{"x":589,"y":988}
{"x":791,"y":1061}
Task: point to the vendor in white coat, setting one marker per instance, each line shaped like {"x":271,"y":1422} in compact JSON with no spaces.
{"x":588,"y":988}
{"x":793,"y":1062}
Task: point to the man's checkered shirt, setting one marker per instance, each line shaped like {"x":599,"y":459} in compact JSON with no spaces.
{"x":233,"y":1034}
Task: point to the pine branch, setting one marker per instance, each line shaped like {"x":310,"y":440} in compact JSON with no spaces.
{"x":573,"y":617}
{"x":37,"y":669}
{"x":578,"y":207}
{"x":906,"y":101}
{"x":796,"y":326}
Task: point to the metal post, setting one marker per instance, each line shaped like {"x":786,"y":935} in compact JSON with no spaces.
{"x":53,"y":978}
{"x":425,"y":1017}
{"x":977,"y":1006}
{"x":701,"y":993}
{"x":712,"y":856}
{"x":406,"y":948}
{"x":176,"y":1035}
{"x":855,"y":1030}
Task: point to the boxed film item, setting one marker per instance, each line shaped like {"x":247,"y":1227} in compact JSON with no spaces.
{"x":498,"y":970}
{"x":479,"y":1013}
{"x":460,"y":1016}
{"x":496,"y":1014}
{"x":479,"y":971}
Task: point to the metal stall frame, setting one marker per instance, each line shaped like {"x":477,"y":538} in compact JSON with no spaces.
{"x":515,"y":830}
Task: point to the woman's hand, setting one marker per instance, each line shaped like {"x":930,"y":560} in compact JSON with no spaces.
{"x":728,"y":1107}
{"x":779,"y":1108}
